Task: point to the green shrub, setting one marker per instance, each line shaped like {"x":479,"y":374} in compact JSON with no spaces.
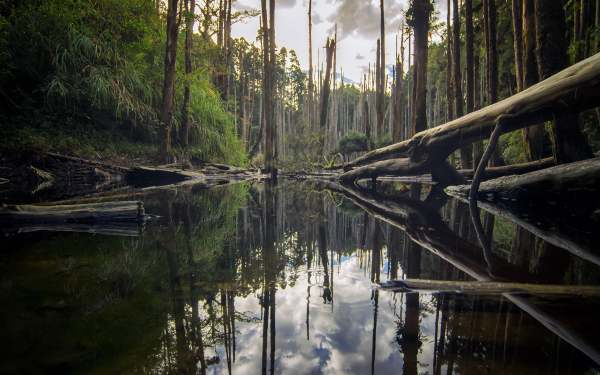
{"x":353,"y":142}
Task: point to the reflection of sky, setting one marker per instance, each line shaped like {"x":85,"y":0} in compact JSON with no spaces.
{"x":340,"y":340}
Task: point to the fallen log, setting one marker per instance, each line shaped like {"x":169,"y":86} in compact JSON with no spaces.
{"x":89,"y":163}
{"x":424,"y":226}
{"x":547,"y":203}
{"x":487,"y":287}
{"x":572,"y":90}
{"x":394,"y":167}
{"x":509,"y":170}
{"x":125,"y":229}
{"x":440,"y":172}
{"x":566,"y":183}
{"x":441,"y":244}
{"x":110,"y":212}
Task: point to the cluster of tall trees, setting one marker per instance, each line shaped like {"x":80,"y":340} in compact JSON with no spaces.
{"x":177,"y":78}
{"x":439,"y":73}
{"x":466,"y":64}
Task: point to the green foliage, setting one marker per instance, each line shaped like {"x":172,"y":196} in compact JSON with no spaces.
{"x":383,"y":141}
{"x":353,"y":142}
{"x":98,"y":66}
{"x":94,"y":73}
{"x":513,"y":148}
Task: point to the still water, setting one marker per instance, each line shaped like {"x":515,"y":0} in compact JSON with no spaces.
{"x":250,"y":279}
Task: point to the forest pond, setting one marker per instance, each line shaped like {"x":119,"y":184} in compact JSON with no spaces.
{"x":250,"y":278}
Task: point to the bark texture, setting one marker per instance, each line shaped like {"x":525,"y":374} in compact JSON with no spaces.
{"x":169,"y":81}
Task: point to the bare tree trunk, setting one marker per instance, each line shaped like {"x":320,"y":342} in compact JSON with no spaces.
{"x":422,"y":10}
{"x":169,"y":80}
{"x":190,"y":6}
{"x":206,"y":20}
{"x":477,"y":150}
{"x":220,"y":20}
{"x":493,"y":58}
{"x":518,"y":42}
{"x":398,"y":123}
{"x":465,"y":152}
{"x":273,"y":89}
{"x":311,"y":86}
{"x":267,"y":92}
{"x":382,"y":75}
{"x":569,"y":143}
{"x":326,"y":90}
{"x":534,"y":135}
{"x":449,"y":91}
{"x":378,"y":106}
{"x":227,"y":48}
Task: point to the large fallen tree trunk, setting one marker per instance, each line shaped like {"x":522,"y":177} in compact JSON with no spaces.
{"x":110,"y":212}
{"x":572,"y":90}
{"x":509,"y":170}
{"x":564,"y":184}
{"x":126,"y":229}
{"x":487,"y":287}
{"x":441,"y":172}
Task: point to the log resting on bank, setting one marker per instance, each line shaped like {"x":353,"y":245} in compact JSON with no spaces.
{"x":572,"y":90}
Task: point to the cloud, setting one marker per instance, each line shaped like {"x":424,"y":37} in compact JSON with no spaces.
{"x":316,"y":19}
{"x":242,"y":7}
{"x":359,"y":56}
{"x":286,"y":3}
{"x":360,"y":18}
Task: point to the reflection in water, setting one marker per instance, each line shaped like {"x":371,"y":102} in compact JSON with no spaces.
{"x":241,"y":279}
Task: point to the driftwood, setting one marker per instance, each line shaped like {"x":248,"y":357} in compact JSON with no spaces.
{"x":110,"y":212}
{"x":487,"y":287}
{"x":572,"y":90}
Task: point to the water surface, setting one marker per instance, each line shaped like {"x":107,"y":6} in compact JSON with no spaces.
{"x":251,"y":278}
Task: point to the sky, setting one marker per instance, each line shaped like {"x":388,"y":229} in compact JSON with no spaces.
{"x":357,"y":22}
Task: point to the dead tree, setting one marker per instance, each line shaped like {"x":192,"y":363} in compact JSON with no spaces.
{"x":190,"y":6}
{"x":569,"y":143}
{"x":311,"y":86}
{"x":326,"y":90}
{"x":168,"y":91}
{"x":420,"y":22}
{"x":465,"y":152}
{"x":533,"y":135}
